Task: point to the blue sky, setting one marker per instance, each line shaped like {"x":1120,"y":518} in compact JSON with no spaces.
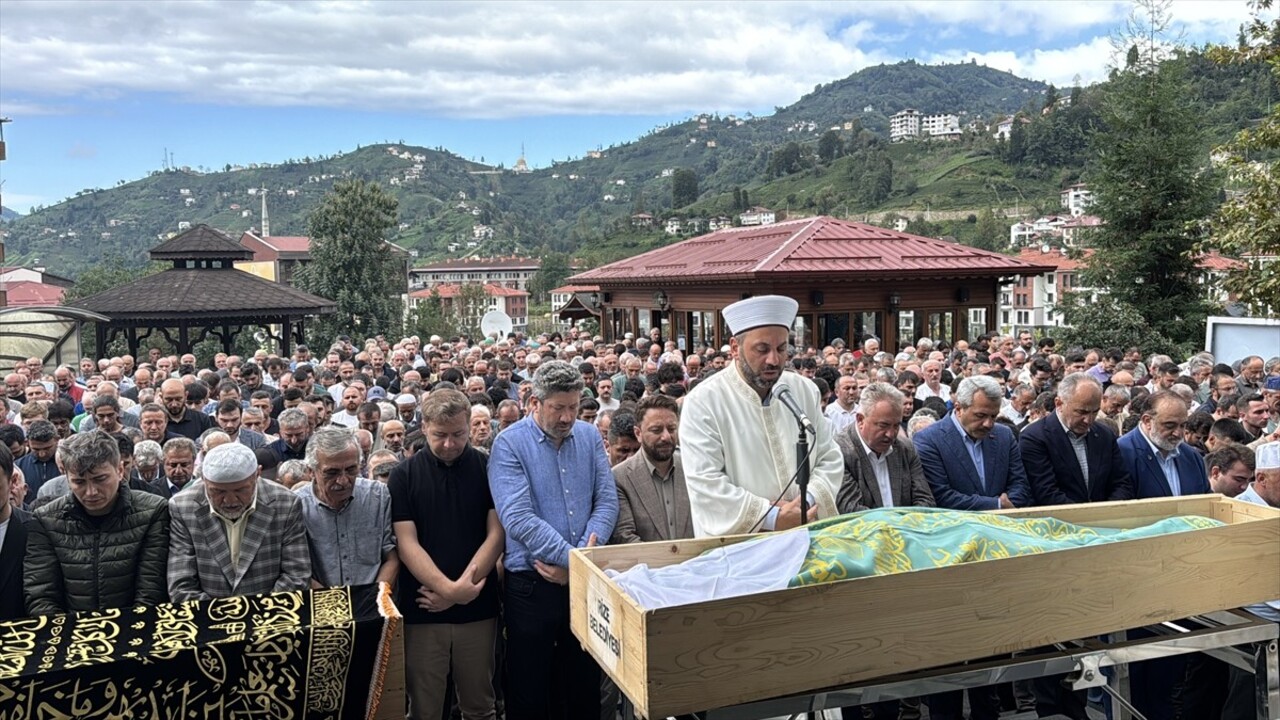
{"x":98,"y":90}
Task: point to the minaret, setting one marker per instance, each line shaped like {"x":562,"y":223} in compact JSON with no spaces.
{"x":266,"y":221}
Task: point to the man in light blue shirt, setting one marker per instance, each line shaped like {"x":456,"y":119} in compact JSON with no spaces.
{"x":553,"y":489}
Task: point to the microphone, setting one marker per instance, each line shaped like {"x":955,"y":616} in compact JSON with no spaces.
{"x":785,"y":396}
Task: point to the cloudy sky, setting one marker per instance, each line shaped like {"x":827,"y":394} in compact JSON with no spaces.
{"x":97,"y":90}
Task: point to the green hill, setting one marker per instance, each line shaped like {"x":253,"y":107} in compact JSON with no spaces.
{"x":583,"y":205}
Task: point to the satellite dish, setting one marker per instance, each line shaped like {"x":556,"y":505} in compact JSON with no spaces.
{"x":496,"y":323}
{"x":260,"y":337}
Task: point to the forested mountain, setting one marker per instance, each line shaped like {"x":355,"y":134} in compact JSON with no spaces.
{"x":828,"y":153}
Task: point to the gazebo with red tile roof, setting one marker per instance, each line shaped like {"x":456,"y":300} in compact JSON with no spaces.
{"x":848,"y":277}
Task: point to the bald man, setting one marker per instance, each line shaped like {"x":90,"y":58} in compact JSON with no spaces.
{"x":182,"y":420}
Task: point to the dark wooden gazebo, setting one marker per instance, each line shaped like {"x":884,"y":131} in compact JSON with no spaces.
{"x":203,"y":294}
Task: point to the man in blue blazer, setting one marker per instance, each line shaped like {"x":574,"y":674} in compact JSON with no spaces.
{"x":1060,"y":449}
{"x":1161,"y":465}
{"x":1158,"y":461}
{"x":972,"y":463}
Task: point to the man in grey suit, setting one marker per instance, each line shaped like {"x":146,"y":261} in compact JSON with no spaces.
{"x":232,"y":535}
{"x":881,"y":468}
{"x":653,"y":503}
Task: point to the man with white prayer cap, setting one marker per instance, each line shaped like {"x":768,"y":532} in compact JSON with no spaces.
{"x":1265,"y":488}
{"x":232,"y":534}
{"x":738,"y":438}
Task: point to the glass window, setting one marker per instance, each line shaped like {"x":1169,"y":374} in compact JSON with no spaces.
{"x":865,"y":325}
{"x":832,"y":326}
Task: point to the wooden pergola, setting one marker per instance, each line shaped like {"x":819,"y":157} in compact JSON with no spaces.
{"x":202,"y":295}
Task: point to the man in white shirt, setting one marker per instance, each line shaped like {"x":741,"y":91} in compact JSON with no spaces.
{"x":604,"y":388}
{"x":352,"y":399}
{"x":932,"y":386}
{"x":844,"y":411}
{"x":738,"y":437}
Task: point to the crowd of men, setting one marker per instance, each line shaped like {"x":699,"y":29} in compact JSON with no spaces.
{"x":462,"y":473}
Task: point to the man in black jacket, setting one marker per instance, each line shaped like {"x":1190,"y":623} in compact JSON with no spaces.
{"x":13,"y":543}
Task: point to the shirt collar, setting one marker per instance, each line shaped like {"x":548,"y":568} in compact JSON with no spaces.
{"x":871,"y":453}
{"x":964,"y":434}
{"x":1070,"y":435}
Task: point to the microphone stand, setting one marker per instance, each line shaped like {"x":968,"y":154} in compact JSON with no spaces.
{"x":802,"y":471}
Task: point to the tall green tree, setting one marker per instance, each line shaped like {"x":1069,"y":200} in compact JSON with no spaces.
{"x":989,"y":233}
{"x":684,"y":188}
{"x":351,"y":262}
{"x":830,"y":146}
{"x":551,"y":274}
{"x":1248,"y":224}
{"x":1050,"y":97}
{"x":1151,"y":189}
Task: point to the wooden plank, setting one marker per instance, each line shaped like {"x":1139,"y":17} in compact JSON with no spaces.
{"x":743,"y":649}
{"x":725,"y":652}
{"x":611,"y":626}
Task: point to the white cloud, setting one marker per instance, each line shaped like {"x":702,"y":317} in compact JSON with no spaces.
{"x":1089,"y":60}
{"x":502,"y":60}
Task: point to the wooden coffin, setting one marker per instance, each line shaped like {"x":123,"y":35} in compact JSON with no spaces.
{"x":725,"y":652}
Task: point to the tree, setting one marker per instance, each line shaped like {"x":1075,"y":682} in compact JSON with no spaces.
{"x":684,"y":188}
{"x":989,"y":233}
{"x":1151,"y":190}
{"x":737,"y":199}
{"x":1017,"y":147}
{"x":788,"y":159}
{"x":351,"y":262}
{"x":111,"y":272}
{"x":1050,"y":97}
{"x":551,"y":274}
{"x":830,"y":146}
{"x":1248,"y":224}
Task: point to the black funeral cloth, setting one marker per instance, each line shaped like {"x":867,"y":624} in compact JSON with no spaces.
{"x":318,"y":654}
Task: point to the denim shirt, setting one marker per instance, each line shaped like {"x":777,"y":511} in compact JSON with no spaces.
{"x":551,"y":499}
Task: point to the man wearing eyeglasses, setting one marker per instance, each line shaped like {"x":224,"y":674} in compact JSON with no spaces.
{"x":348,"y":517}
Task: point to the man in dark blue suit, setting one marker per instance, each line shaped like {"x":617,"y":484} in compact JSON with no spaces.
{"x":972,"y":463}
{"x":1161,"y":465}
{"x":1158,"y":461}
{"x":1069,"y":458}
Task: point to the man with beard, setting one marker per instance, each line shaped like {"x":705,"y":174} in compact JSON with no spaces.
{"x":230,"y":419}
{"x":352,"y":399}
{"x":653,"y":503}
{"x":229,"y":517}
{"x":553,"y":491}
{"x":182,"y":420}
{"x":739,"y":437}
{"x":392,"y":433}
{"x":1160,"y":465}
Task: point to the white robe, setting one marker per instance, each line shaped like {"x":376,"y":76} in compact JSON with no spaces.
{"x":739,"y":453}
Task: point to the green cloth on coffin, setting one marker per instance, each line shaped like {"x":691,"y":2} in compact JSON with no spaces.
{"x":318,"y":654}
{"x":894,"y":540}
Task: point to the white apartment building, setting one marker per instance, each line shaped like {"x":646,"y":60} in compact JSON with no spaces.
{"x":904,"y":125}
{"x":1077,"y":199}
{"x":941,"y":125}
